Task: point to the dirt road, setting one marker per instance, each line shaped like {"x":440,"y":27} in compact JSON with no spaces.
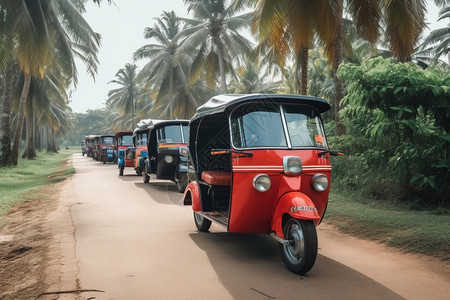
{"x":124,"y":239}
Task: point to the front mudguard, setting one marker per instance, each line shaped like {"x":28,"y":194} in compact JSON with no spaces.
{"x":296,"y":205}
{"x":192,"y":196}
{"x":121,"y":161}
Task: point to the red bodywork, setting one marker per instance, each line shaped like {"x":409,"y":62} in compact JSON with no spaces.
{"x":252,"y":211}
{"x":119,"y":146}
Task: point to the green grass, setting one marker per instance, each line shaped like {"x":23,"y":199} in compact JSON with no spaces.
{"x":426,"y":231}
{"x":18,"y":184}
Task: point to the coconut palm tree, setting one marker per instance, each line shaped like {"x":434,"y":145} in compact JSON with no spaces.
{"x":251,"y":79}
{"x":42,"y":34}
{"x":437,"y":43}
{"x":403,"y":23}
{"x":125,"y":97}
{"x":166,"y":75}
{"x":213,"y":35}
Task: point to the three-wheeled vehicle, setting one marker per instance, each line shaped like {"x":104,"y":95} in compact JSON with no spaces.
{"x":260,"y":164}
{"x":90,"y":144}
{"x":124,"y":146}
{"x":167,"y":151}
{"x":139,"y":152}
{"x":105,"y":148}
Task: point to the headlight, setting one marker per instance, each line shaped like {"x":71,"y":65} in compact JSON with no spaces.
{"x":168,"y":159}
{"x":261,"y":182}
{"x":292,"y":165}
{"x":319,"y":182}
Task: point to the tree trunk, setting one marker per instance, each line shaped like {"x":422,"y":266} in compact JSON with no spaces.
{"x":339,"y":87}
{"x":20,"y":117}
{"x":223,"y":77}
{"x":30,"y":149}
{"x":304,"y":68}
{"x":5,"y":134}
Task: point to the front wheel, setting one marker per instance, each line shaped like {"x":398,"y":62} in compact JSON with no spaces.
{"x":300,"y":255}
{"x":121,"y":170}
{"x":145,"y":177}
{"x":201,"y":222}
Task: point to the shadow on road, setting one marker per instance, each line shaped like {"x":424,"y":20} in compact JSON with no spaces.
{"x":243,"y":261}
{"x":162,"y":191}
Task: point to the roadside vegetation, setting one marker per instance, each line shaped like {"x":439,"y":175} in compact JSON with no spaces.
{"x":32,"y":178}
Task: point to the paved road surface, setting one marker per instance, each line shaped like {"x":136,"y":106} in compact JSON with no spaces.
{"x":135,"y":241}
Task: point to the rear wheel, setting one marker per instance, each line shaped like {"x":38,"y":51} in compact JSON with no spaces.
{"x":145,"y":177}
{"x":121,"y":170}
{"x":201,"y":222}
{"x":300,"y":256}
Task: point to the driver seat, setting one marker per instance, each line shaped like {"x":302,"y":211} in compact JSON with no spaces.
{"x":216,"y":177}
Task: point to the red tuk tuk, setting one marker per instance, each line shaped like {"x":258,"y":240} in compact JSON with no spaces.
{"x":105,"y":148}
{"x":261,"y":164}
{"x":90,"y":144}
{"x":124,"y":141}
{"x":167,"y":139}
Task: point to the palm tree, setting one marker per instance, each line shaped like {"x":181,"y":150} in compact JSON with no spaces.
{"x":251,"y":79}
{"x":46,"y":95}
{"x":214,"y":36}
{"x":404,"y":21}
{"x":289,"y":26}
{"x":44,"y":34}
{"x":438,"y":41}
{"x":124,"y":98}
{"x":166,"y":75}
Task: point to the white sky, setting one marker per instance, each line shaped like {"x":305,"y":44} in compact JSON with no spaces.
{"x":122,"y":28}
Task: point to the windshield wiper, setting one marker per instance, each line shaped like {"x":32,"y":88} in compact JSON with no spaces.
{"x":226,"y":151}
{"x":332,"y":153}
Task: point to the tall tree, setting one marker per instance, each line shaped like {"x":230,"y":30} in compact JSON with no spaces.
{"x":166,"y":75}
{"x":46,"y":33}
{"x":214,"y":35}
{"x":437,"y":42}
{"x":124,"y":98}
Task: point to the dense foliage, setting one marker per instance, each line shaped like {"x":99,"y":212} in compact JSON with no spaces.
{"x":398,"y":121}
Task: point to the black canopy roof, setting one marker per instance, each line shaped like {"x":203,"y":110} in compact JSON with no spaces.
{"x":220,"y":103}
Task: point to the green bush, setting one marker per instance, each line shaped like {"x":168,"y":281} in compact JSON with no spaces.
{"x":398,"y":121}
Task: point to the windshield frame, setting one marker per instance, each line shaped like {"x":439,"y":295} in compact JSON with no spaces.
{"x":282,"y":111}
{"x":182,"y":135}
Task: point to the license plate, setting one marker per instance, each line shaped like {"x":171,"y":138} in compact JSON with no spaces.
{"x":110,"y":155}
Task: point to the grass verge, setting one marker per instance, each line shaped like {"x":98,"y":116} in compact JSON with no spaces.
{"x":18,"y":184}
{"x":425,"y":232}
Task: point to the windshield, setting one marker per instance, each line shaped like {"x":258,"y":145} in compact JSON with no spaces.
{"x":262,"y":127}
{"x":108,"y":140}
{"x":170,"y":134}
{"x":126,"y":140}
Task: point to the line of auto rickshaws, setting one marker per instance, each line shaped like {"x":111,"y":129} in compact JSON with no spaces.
{"x":252,"y":163}
{"x":157,"y":147}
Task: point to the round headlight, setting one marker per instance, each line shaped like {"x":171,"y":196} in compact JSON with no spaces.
{"x":261,"y":182}
{"x":168,"y":159}
{"x":319,"y":182}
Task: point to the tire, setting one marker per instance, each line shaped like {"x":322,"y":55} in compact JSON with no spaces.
{"x":300,"y":256}
{"x":182,"y":184}
{"x":201,"y":223}
{"x":145,"y":177}
{"x":121,"y":170}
